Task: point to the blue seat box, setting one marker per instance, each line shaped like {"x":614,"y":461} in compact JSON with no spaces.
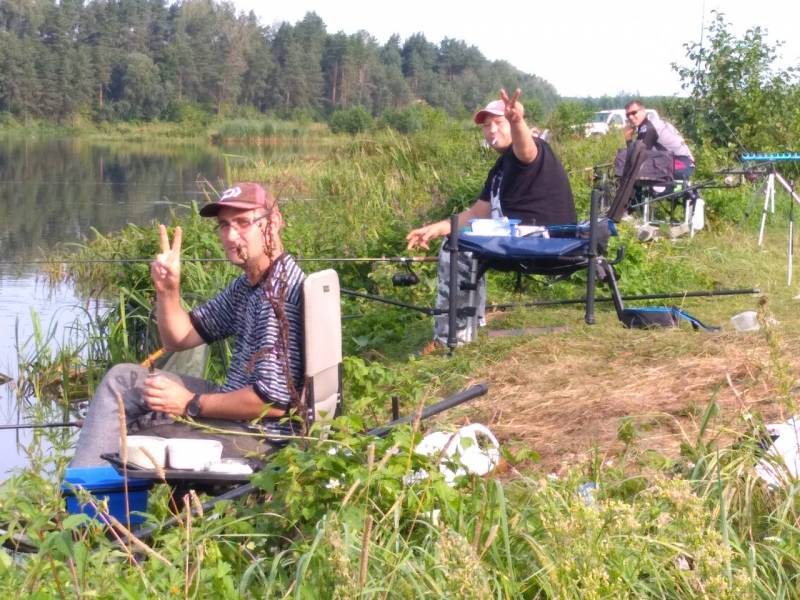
{"x":105,"y":482}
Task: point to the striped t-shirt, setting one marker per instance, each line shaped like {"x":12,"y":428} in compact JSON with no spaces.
{"x":248,"y":312}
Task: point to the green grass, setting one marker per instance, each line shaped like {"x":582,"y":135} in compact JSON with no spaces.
{"x":342,"y":524}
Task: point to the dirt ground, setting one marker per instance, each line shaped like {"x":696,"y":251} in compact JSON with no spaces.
{"x":550,"y":397}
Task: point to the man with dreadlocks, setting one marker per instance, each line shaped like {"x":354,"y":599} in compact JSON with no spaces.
{"x":261,"y":309}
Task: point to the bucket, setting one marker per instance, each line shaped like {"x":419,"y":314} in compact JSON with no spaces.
{"x":106,"y":483}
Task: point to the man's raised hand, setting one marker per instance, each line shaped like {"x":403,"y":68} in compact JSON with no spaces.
{"x":514,"y":110}
{"x":165,"y":270}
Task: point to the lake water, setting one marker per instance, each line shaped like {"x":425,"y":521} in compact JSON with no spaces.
{"x":53,"y":192}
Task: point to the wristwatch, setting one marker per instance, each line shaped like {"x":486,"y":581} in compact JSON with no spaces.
{"x":193,"y":408}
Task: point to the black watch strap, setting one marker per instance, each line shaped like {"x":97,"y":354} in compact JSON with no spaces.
{"x":193,"y":408}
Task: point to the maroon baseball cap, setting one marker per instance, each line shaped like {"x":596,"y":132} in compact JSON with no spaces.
{"x":245,"y":195}
{"x":494,"y":108}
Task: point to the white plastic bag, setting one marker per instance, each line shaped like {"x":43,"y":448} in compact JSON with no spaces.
{"x":473,"y":447}
{"x":783,"y":463}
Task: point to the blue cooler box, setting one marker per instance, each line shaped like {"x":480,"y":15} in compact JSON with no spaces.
{"x":105,"y":482}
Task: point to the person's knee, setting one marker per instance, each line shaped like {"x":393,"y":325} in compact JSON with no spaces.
{"x":126,"y":380}
{"x":121,"y":370}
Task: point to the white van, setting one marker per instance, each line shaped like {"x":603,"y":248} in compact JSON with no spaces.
{"x":605,"y":120}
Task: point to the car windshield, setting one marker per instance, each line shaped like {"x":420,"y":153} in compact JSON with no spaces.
{"x":600,"y":117}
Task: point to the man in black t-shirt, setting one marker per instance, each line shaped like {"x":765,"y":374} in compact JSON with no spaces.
{"x":527,"y":182}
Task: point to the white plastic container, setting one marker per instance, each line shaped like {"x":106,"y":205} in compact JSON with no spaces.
{"x":230,"y":466}
{"x":745,"y":321}
{"x":502,"y":227}
{"x":193,"y":454}
{"x":153,"y":445}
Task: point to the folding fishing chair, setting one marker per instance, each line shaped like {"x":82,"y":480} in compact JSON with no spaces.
{"x":649,"y":179}
{"x":566,"y":250}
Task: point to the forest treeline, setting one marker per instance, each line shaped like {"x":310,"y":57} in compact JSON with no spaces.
{"x":154,"y":59}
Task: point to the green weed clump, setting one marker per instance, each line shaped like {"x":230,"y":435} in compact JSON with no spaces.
{"x":345,"y":515}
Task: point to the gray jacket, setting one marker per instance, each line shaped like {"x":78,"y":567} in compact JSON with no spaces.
{"x":662,"y":135}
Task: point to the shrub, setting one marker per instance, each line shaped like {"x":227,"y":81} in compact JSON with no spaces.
{"x":351,"y":120}
{"x":404,"y":120}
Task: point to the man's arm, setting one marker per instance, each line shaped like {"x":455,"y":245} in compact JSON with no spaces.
{"x":174,"y":326}
{"x":420,"y":237}
{"x":165,"y":395}
{"x":650,"y":138}
{"x":240,"y":404}
{"x":521,"y":140}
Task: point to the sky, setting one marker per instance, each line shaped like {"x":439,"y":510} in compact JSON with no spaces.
{"x":583,"y":48}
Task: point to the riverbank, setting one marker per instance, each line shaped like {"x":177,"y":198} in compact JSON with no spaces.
{"x":190,"y":130}
{"x":631,"y":454}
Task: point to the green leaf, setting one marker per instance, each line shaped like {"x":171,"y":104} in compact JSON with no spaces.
{"x":76,"y":520}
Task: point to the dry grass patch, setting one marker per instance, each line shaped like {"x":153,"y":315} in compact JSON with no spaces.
{"x":565,"y":396}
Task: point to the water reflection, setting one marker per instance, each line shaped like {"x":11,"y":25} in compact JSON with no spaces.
{"x":58,"y":309}
{"x":55,"y":191}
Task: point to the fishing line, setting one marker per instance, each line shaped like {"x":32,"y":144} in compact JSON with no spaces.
{"x":29,"y":182}
{"x":93,"y":261}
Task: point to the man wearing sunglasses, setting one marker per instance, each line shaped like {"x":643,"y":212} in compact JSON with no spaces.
{"x":657,"y":134}
{"x":261,"y":310}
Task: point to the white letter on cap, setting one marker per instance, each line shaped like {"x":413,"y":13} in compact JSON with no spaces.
{"x":230,"y":193}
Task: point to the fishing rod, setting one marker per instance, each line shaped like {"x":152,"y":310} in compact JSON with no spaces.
{"x":148,"y":363}
{"x":109,"y":183}
{"x":666,"y":295}
{"x":78,"y":423}
{"x":703,"y":185}
{"x":431,"y":312}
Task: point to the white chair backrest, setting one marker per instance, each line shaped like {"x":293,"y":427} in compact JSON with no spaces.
{"x":323,"y":344}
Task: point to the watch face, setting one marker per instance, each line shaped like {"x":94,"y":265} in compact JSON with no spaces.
{"x":193,"y":408}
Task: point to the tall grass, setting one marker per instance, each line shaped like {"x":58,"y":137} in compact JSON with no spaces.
{"x":275,"y":130}
{"x":343,"y":523}
{"x":346,"y":516}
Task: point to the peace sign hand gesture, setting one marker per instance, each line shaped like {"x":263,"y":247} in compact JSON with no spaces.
{"x":515,"y":112}
{"x":165,"y":270}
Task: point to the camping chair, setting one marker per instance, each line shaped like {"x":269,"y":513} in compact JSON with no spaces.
{"x":568,"y":249}
{"x":322,"y":331}
{"x":648,"y":178}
